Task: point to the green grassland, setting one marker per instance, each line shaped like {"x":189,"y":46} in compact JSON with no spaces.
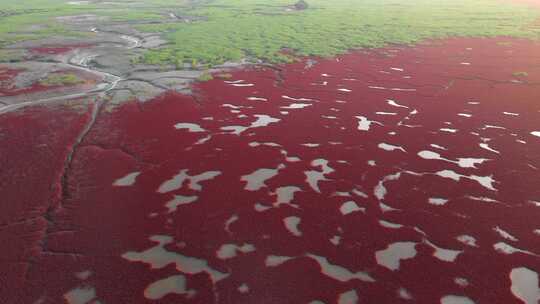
{"x":16,"y":25}
{"x":10,"y":55}
{"x":230,"y":30}
{"x":237,"y":29}
{"x":61,"y":79}
{"x":19,"y":18}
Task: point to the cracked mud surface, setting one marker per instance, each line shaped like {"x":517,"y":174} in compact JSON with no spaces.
{"x":394,"y":175}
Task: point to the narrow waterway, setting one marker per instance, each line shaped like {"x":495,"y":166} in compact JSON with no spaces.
{"x":80,"y":59}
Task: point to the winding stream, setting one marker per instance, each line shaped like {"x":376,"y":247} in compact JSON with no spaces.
{"x":82,"y":62}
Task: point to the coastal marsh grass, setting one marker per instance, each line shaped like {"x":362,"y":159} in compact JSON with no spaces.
{"x":259,"y":30}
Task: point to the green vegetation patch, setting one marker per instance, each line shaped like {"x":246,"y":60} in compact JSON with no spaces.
{"x":61,"y":79}
{"x":11,"y":55}
{"x":204,"y":33}
{"x":258,"y":29}
{"x":205,"y":77}
{"x":22,"y":20}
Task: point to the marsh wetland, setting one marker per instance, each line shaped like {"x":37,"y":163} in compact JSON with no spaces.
{"x":159,"y":151}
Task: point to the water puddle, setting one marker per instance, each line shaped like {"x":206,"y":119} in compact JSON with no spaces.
{"x":128,"y":180}
{"x":313,"y":177}
{"x":349,"y":297}
{"x":462,"y":162}
{"x":394,"y":254}
{"x":525,"y":285}
{"x":191,"y":127}
{"x":256,"y":180}
{"x":80,"y":295}
{"x":159,"y":257}
{"x":291,"y":223}
{"x":364,"y":124}
{"x":339,"y":273}
{"x":262,"y":121}
{"x":180,"y":200}
{"x":172,"y":285}
{"x":285,"y":195}
{"x":350,"y":207}
{"x":452,"y":299}
{"x":229,"y":251}
{"x":177,"y":181}
{"x":390,"y":147}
